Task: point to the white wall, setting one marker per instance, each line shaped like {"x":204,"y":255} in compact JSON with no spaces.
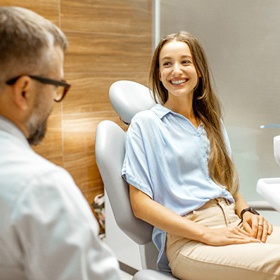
{"x":242,"y":42}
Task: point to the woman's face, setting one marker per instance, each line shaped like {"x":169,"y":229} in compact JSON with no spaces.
{"x":176,"y":69}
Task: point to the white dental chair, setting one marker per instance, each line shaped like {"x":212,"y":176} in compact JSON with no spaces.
{"x":127,"y":99}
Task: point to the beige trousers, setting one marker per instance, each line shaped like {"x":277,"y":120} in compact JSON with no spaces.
{"x":191,"y":260}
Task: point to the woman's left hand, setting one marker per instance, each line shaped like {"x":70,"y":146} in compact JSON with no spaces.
{"x":257,"y":226}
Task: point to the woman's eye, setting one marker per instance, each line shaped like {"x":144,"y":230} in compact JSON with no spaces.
{"x":166,"y":64}
{"x":186,"y":62}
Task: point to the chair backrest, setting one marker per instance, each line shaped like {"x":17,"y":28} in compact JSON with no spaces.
{"x":109,"y":152}
{"x":127,"y":98}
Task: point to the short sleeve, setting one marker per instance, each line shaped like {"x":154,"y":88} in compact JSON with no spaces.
{"x":136,"y":169}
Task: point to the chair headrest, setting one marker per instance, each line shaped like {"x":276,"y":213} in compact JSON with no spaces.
{"x":129,"y":98}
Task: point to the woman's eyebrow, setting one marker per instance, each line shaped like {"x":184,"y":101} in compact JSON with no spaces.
{"x":166,"y":57}
{"x":183,"y":56}
{"x":186,"y":56}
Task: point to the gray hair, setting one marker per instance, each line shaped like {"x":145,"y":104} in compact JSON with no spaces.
{"x":26,"y":41}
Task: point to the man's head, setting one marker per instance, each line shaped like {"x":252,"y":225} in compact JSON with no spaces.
{"x":31,"y":62}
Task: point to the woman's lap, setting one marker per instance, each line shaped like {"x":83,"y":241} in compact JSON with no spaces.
{"x":192,"y":260}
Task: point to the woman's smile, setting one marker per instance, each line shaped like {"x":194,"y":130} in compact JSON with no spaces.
{"x":177,"y":71}
{"x":178,"y":82}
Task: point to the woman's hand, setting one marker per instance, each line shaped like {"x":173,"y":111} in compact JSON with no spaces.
{"x":159,"y":216}
{"x":256,"y":226}
{"x":227,"y":236}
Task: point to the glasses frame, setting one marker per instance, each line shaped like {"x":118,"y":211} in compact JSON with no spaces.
{"x":42,"y":80}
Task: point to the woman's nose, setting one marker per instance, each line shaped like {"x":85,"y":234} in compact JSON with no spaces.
{"x":177,"y":68}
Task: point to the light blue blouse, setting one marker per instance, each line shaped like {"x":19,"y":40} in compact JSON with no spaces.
{"x":167,"y":159}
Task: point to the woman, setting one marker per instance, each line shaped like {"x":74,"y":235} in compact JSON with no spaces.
{"x":183,"y":181}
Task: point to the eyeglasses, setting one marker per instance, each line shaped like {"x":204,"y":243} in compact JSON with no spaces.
{"x":61,"y":90}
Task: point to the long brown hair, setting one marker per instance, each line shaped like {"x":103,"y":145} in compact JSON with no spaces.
{"x":206,"y":107}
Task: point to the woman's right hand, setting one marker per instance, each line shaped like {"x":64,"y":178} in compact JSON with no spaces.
{"x":226,"y":236}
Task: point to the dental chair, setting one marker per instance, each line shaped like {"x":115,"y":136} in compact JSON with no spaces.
{"x":127,"y":99}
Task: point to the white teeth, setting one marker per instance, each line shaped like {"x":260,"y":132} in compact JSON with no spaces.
{"x":178,"y":82}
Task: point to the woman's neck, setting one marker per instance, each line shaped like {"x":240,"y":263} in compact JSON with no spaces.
{"x":184,"y":108}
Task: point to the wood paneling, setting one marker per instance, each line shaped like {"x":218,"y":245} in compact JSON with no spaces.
{"x":125,"y":17}
{"x":107,"y":53}
{"x":108,"y":41}
{"x":46,"y":8}
{"x":89,"y":92}
{"x":51,"y":147}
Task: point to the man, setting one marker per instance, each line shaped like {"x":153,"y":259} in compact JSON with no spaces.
{"x":47,"y":230}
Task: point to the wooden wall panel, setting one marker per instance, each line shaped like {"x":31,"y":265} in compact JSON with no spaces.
{"x":89,"y":92}
{"x":125,"y":17}
{"x":107,"y":53}
{"x":108,"y":41}
{"x":51,"y":147}
{"x":46,"y":8}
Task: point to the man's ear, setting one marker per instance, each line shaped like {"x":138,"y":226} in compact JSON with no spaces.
{"x":21,"y":92}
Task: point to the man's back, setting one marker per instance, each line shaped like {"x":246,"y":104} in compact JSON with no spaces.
{"x":46,"y":226}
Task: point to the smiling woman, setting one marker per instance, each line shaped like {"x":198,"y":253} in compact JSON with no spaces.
{"x":183,"y":181}
{"x":178,"y":75}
